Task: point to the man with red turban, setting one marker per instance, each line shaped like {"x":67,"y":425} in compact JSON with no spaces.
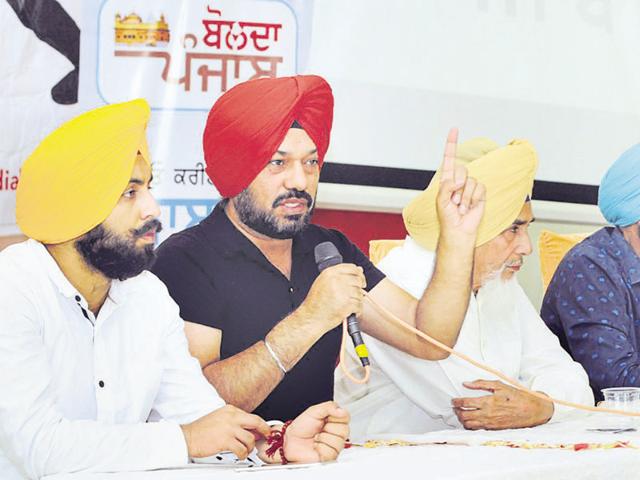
{"x":260,"y":317}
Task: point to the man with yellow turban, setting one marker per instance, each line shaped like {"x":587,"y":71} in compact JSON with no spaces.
{"x":91,"y":345}
{"x":501,"y":327}
{"x":593,"y":301}
{"x":263,"y":321}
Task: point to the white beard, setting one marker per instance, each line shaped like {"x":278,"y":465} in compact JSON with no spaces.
{"x":497,"y":303}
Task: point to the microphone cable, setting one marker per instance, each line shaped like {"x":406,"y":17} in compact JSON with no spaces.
{"x":514,"y":383}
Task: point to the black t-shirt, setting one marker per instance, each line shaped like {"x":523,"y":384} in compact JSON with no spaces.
{"x":222,"y":280}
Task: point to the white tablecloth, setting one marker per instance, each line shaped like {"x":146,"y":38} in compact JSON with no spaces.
{"x":445,"y":461}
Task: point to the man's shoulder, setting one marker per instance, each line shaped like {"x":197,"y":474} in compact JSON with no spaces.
{"x":183,"y":250}
{"x":598,"y":239}
{"x":599,"y":257}
{"x":23,"y":276}
{"x":148,"y":293}
{"x":20,"y":261}
{"x":314,"y":234}
{"x":409,"y":265}
{"x":318,"y":230}
{"x":17,"y":250}
{"x":185,"y":240}
{"x":409,"y":253}
{"x":598,"y":248}
{"x":145,"y":283}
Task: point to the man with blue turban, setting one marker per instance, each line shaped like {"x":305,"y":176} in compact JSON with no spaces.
{"x":593,"y":301}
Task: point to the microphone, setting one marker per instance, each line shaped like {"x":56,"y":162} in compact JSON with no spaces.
{"x":327,"y":255}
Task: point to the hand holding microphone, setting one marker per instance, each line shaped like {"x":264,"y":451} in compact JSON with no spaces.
{"x":335,"y":294}
{"x":328,"y":258}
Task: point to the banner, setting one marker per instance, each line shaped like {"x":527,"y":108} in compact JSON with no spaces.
{"x":561,"y":74}
{"x":179,"y":56}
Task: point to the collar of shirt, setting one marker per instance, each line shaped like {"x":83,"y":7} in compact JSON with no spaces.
{"x":53,"y":270}
{"x":221,"y":232}
{"x":117,"y":294}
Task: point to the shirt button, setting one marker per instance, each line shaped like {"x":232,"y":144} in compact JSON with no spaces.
{"x":78,"y":298}
{"x":290,"y":289}
{"x":101,"y":384}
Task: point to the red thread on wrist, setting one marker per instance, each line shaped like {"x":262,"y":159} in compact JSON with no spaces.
{"x":275,"y":440}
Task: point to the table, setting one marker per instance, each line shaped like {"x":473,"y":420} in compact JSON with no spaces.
{"x":454,"y":462}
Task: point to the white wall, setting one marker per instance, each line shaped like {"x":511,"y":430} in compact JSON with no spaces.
{"x":564,"y":74}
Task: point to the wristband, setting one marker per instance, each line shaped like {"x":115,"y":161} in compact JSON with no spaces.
{"x":275,"y":357}
{"x":276,"y":443}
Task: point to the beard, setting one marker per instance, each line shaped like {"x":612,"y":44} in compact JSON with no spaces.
{"x":266,"y":222}
{"x":496,"y":297}
{"x":116,"y":256}
{"x":494,"y":277}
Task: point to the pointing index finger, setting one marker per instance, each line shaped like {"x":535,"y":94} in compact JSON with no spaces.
{"x":447,"y":170}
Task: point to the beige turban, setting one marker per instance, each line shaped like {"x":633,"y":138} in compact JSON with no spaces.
{"x":75,"y":177}
{"x":506,"y":172}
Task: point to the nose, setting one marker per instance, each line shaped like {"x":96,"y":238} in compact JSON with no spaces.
{"x":149,"y":207}
{"x":296,"y":177}
{"x":524,"y":244}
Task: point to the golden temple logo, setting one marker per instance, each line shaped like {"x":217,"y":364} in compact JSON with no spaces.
{"x":131,"y":30}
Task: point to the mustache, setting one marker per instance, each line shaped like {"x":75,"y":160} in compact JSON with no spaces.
{"x":293,"y":194}
{"x":152,"y":225}
{"x":514,"y":263}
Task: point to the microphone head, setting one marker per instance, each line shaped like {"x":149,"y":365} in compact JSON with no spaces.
{"x":327,"y":255}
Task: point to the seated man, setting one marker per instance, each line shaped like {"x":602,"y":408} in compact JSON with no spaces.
{"x":91,"y":347}
{"x":593,"y":301}
{"x":501,"y":327}
{"x":260,"y":317}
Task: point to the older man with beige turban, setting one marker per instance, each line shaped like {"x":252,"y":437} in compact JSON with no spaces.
{"x":91,"y":345}
{"x":411,"y":395}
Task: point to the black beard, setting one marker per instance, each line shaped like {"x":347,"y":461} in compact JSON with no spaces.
{"x":268,"y":224}
{"x":115,"y":256}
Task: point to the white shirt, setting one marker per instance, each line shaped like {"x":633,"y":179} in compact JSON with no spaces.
{"x":501,"y":328}
{"x":77,"y":391}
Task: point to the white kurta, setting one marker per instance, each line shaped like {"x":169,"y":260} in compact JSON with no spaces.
{"x":76,"y":391}
{"x":501,"y":328}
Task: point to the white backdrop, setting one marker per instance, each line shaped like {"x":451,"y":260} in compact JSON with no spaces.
{"x":213,"y":45}
{"x":562,"y":73}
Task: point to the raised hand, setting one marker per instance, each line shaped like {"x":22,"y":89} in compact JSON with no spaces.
{"x":460,"y":200}
{"x":506,"y":407}
{"x":318,"y":434}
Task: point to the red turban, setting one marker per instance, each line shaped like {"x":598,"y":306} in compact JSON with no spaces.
{"x":247,"y":124}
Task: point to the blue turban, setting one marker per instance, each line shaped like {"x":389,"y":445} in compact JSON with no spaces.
{"x":619,"y":194}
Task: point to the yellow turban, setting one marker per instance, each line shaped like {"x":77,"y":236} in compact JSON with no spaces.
{"x":506,"y":172}
{"x":75,"y":177}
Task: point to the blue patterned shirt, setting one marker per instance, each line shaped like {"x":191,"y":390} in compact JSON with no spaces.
{"x":593,"y":306}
